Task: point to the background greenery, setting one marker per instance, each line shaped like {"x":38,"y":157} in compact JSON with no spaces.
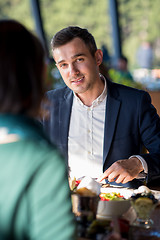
{"x":139,"y":20}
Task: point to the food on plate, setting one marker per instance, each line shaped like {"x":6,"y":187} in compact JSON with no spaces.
{"x":111,"y":196}
{"x":142,"y":189}
{"x":73,"y":183}
{"x":116,"y":206}
{"x":104,"y":185}
{"x":143,"y":203}
{"x":85,"y":192}
{"x":88,"y":187}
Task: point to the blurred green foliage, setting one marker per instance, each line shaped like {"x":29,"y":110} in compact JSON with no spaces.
{"x":117,"y":77}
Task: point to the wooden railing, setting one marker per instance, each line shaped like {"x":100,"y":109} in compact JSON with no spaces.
{"x":155,"y":96}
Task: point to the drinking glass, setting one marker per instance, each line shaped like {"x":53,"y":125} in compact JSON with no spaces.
{"x":143,"y":208}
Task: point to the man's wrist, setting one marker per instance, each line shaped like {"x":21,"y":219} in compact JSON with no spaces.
{"x":143,"y":162}
{"x":142,"y":174}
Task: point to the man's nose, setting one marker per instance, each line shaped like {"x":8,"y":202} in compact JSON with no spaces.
{"x":73,"y":70}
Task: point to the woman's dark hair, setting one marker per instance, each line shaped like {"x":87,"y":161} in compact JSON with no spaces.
{"x":21,"y":69}
{"x":68,"y":34}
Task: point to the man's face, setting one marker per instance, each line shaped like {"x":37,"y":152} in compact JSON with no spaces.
{"x":78,"y":68}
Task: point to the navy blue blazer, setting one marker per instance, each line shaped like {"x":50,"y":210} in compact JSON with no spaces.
{"x":131,"y":122}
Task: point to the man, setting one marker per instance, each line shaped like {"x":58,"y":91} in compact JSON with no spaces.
{"x":100,"y":126}
{"x":145,"y":55}
{"x":123,"y":68}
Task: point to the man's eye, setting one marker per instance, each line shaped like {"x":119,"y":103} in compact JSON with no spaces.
{"x":80,"y":59}
{"x":63,"y":65}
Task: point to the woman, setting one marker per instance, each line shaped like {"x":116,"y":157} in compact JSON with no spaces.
{"x":34,"y":192}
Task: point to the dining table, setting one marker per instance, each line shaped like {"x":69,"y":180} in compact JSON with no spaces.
{"x":124,"y":224}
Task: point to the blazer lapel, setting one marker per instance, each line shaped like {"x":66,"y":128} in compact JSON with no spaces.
{"x":112,"y":110}
{"x":64,"y":118}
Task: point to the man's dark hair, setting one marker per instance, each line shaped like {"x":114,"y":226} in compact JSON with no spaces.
{"x":21,"y":69}
{"x":68,"y":34}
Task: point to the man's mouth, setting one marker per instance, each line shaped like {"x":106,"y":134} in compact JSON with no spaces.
{"x":77,"y":80}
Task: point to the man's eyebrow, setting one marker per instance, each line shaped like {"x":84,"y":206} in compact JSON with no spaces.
{"x":74,"y":56}
{"x":78,"y":55}
{"x":60,"y":61}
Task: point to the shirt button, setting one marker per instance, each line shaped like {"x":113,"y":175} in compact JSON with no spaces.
{"x":89,"y":152}
{"x":89,"y":131}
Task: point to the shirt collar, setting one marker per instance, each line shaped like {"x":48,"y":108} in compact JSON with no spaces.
{"x":99,"y":99}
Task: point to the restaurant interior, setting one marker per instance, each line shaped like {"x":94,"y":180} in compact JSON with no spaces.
{"x":103,"y":211}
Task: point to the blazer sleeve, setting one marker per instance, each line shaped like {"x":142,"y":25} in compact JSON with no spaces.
{"x":149,"y":125}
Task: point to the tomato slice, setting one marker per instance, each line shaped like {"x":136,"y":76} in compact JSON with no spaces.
{"x":77,"y":182}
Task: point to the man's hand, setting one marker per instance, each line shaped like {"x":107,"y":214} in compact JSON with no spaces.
{"x":122,"y":171}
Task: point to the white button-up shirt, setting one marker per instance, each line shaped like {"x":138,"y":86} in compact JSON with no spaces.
{"x":86,"y":136}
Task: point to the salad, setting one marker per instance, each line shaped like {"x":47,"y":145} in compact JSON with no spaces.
{"x":111,"y":196}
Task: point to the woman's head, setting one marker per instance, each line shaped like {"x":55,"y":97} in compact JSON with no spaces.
{"x":21,"y":69}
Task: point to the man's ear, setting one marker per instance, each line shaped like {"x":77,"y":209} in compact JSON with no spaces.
{"x":99,"y":56}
